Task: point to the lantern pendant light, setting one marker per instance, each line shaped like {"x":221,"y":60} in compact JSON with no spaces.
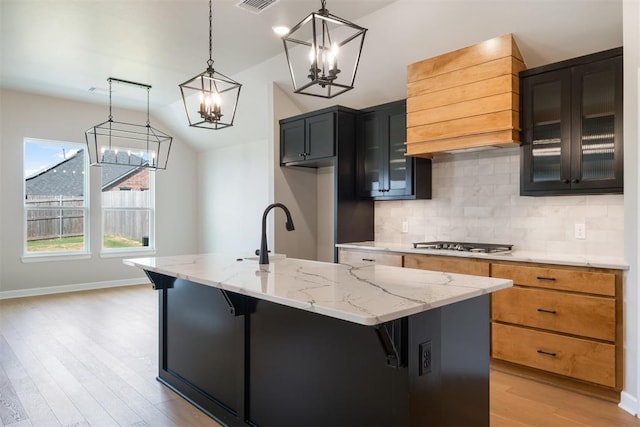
{"x":128,"y":144}
{"x":323,"y":52}
{"x":210,"y":98}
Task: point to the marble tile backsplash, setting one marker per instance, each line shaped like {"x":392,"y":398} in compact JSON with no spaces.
{"x":476,"y":198}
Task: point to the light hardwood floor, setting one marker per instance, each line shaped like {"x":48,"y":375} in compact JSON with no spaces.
{"x":89,"y":358}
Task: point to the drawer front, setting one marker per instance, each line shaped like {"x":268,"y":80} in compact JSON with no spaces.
{"x":355,"y":257}
{"x":574,"y":357}
{"x":586,"y":281}
{"x":447,"y":264}
{"x":585,"y":315}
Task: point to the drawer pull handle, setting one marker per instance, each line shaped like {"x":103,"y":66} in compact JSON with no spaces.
{"x":368,"y":259}
{"x":542,"y":310}
{"x":546,"y":278}
{"x":547,"y":353}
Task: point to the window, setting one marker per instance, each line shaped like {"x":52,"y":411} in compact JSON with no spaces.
{"x":128,"y":206}
{"x":55,"y":198}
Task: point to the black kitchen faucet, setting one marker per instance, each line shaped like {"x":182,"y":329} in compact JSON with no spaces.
{"x":264,"y":252}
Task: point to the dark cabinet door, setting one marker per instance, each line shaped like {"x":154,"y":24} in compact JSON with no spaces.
{"x":371,"y":155}
{"x":292,"y":141}
{"x":307,"y":139}
{"x":399,"y":168}
{"x":572,"y":127}
{"x":320,"y":136}
{"x":384,"y":172}
{"x":596,"y":159}
{"x":546,"y":133}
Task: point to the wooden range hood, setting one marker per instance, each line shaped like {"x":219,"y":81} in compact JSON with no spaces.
{"x":465,"y":99}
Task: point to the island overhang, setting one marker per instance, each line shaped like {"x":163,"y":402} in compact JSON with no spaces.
{"x":364,"y":294}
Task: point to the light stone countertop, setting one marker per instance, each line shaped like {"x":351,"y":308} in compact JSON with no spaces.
{"x":519,"y":256}
{"x":367,"y":295}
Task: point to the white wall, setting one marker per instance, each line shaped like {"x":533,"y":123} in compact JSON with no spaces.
{"x":631,"y":67}
{"x":234,"y":193}
{"x":476,"y":197}
{"x":27,"y":115}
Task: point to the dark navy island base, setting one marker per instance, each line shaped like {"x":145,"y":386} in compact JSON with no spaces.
{"x":247,"y":361}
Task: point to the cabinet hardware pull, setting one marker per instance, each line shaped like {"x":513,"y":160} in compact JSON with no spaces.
{"x":546,"y":278}
{"x":368,"y":259}
{"x":542,"y":310}
{"x":547,"y":353}
{"x":300,"y":154}
{"x":575,"y":181}
{"x":565,"y":181}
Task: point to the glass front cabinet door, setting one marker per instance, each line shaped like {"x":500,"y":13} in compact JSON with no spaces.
{"x":572,"y":126}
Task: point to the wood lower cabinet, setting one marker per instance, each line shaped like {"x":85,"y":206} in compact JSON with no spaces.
{"x":448,"y":264}
{"x":583,"y":359}
{"x":558,"y":324}
{"x":560,"y":320}
{"x":354,"y":257}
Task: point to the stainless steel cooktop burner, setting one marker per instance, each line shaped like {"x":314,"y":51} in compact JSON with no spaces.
{"x":467,"y":247}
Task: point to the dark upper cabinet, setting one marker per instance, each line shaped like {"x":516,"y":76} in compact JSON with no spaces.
{"x":572,"y":126}
{"x":308,"y":138}
{"x":384,"y":172}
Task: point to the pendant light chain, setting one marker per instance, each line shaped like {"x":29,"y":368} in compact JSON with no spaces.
{"x":210,"y":61}
{"x":148,"y":122}
{"x":110,"y":115}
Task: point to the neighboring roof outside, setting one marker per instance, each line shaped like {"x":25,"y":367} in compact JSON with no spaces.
{"x":66,"y":178}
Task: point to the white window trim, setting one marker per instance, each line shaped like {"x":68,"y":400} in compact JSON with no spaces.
{"x":58,"y":255}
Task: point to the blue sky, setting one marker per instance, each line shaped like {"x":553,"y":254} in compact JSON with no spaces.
{"x":40,"y":155}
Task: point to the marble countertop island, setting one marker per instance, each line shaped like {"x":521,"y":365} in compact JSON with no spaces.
{"x":366,"y":295}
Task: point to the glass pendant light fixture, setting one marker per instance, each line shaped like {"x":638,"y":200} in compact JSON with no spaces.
{"x":210,"y":98}
{"x":323,"y":52}
{"x":128,"y":144}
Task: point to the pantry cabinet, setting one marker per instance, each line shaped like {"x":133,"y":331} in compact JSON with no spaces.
{"x":572,"y":126}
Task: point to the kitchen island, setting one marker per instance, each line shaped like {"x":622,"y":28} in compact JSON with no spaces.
{"x":300,"y":342}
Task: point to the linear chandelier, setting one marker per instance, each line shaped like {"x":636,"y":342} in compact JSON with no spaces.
{"x":128,"y":144}
{"x":210,"y":98}
{"x":316,"y":50}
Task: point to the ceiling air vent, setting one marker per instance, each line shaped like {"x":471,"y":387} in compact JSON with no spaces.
{"x":255,"y":6}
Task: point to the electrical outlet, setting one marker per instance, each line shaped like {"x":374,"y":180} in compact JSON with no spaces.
{"x":405,"y":226}
{"x":580,"y":231}
{"x":425,"y":360}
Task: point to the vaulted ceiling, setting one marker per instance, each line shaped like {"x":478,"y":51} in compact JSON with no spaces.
{"x":63,"y":48}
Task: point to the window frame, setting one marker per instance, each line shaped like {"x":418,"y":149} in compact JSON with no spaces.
{"x":150,"y":249}
{"x":84,"y":253}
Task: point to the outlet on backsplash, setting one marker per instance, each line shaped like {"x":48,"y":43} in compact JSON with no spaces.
{"x":580,"y":231}
{"x":405,"y":226}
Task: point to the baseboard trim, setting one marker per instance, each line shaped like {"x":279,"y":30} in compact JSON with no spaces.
{"x":628,"y":403}
{"x":48,"y":290}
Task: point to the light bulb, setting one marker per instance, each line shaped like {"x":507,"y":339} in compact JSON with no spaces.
{"x":217,"y":103}
{"x":312,"y":54}
{"x":333,"y":57}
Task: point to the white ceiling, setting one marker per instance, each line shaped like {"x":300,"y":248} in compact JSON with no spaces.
{"x":64,"y":47}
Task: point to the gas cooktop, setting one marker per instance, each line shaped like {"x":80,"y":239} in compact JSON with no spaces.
{"x":467,"y":247}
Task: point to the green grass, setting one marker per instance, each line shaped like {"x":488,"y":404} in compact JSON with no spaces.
{"x":76,"y":243}
{"x":114,"y":242}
